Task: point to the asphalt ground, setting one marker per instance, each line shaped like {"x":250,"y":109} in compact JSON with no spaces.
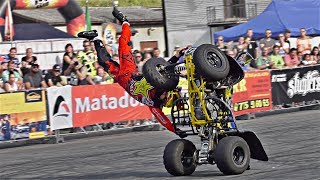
{"x":291,"y":140}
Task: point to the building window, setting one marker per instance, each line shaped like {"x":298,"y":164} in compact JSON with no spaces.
{"x":234,"y":9}
{"x":147,"y":46}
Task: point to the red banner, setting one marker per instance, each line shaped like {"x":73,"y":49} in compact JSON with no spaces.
{"x":253,"y":93}
{"x":105,"y":103}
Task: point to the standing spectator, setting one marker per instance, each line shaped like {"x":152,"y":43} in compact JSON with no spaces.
{"x":11,"y":67}
{"x":67,"y":57}
{"x":139,"y":61}
{"x":315,"y":53}
{"x":177,"y":47}
{"x":307,"y":60}
{"x":304,"y":42}
{"x":291,"y":59}
{"x":146,"y":56}
{"x":103,"y":77}
{"x":12,"y":85}
{"x":93,"y":48}
{"x":138,"y":57}
{"x":12,"y":57}
{"x":267,"y":41}
{"x":53,"y":78}
{"x":250,"y":34}
{"x":284,"y":46}
{"x":287,"y":35}
{"x":27,"y":61}
{"x":34,"y":78}
{"x":240,"y":47}
{"x":276,"y":58}
{"x":264,"y":61}
{"x":252,"y":47}
{"x":221,"y":45}
{"x":88,"y":58}
{"x":156,"y":52}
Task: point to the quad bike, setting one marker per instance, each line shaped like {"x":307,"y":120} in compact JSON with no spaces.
{"x":206,"y":111}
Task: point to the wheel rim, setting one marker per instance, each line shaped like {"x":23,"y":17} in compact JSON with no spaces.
{"x":238,"y":156}
{"x":186,"y":159}
{"x":213,"y":59}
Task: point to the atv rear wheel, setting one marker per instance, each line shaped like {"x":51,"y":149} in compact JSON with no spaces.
{"x":232,"y":155}
{"x":179,"y":157}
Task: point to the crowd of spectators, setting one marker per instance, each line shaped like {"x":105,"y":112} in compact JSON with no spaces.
{"x":77,"y":68}
{"x":269,"y":53}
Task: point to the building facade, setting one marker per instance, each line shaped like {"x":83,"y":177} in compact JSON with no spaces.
{"x":194,"y":22}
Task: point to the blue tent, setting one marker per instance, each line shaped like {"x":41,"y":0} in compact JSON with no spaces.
{"x":279,"y":16}
{"x":33,"y":31}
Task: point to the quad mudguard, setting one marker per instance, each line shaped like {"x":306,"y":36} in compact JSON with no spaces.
{"x":256,"y":149}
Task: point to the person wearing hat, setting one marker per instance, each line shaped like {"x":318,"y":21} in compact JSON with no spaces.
{"x":34,"y":79}
{"x":53,"y":78}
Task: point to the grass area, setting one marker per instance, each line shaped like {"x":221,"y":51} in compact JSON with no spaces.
{"x":105,"y":3}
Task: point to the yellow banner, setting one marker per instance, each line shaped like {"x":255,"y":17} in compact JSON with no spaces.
{"x":20,"y":102}
{"x":36,"y":135}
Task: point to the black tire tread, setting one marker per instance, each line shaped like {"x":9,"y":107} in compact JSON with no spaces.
{"x":223,"y":157}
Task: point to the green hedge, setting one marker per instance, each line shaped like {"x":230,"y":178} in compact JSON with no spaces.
{"x":104,"y":3}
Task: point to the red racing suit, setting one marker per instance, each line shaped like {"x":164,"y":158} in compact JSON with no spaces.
{"x":133,"y":82}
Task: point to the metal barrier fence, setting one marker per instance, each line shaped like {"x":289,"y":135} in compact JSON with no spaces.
{"x":35,"y":113}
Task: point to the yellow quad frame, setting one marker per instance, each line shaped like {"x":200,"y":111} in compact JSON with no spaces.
{"x":198,"y":91}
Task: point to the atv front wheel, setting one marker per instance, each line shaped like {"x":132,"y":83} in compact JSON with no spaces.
{"x":155,"y":75}
{"x":179,"y":157}
{"x":210,"y":62}
{"x":232,"y":155}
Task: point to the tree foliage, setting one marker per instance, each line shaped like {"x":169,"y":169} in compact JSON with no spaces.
{"x":105,"y":3}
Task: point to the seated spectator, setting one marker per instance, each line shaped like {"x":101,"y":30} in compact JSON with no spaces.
{"x":146,"y":56}
{"x":12,"y":85}
{"x":318,"y":59}
{"x":267,"y":41}
{"x":34,"y":79}
{"x":287,"y":35}
{"x":221,"y":45}
{"x":291,"y":59}
{"x":88,"y":58}
{"x":315,"y":53}
{"x":300,"y":56}
{"x":102,"y":77}
{"x":78,"y":73}
{"x":264,"y":62}
{"x":304,"y":42}
{"x":27,"y":61}
{"x":67,"y":57}
{"x":53,"y":78}
{"x":11,"y":67}
{"x":307,"y":60}
{"x":283,"y":45}
{"x":231,"y":53}
{"x":12,"y":57}
{"x":115,"y":57}
{"x":276,"y":58}
{"x":240,"y":47}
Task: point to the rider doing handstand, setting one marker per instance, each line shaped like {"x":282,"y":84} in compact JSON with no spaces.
{"x":126,"y":73}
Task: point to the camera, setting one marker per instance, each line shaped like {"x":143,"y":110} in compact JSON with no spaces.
{"x":76,"y":63}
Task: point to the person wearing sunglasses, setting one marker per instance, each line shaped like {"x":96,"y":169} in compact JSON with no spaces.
{"x":221,"y":45}
{"x":88,"y":58}
{"x":34,"y":79}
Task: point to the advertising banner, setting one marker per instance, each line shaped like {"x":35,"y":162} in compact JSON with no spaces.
{"x":60,"y":106}
{"x":253,"y":93}
{"x":23,"y":115}
{"x":105,"y":103}
{"x":79,"y":106}
{"x":295,"y":85}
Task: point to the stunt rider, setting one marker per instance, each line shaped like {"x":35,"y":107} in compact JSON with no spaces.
{"x":126,"y":73}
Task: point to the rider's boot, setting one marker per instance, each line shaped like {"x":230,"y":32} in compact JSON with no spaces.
{"x":119,"y":15}
{"x":88,"y":34}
